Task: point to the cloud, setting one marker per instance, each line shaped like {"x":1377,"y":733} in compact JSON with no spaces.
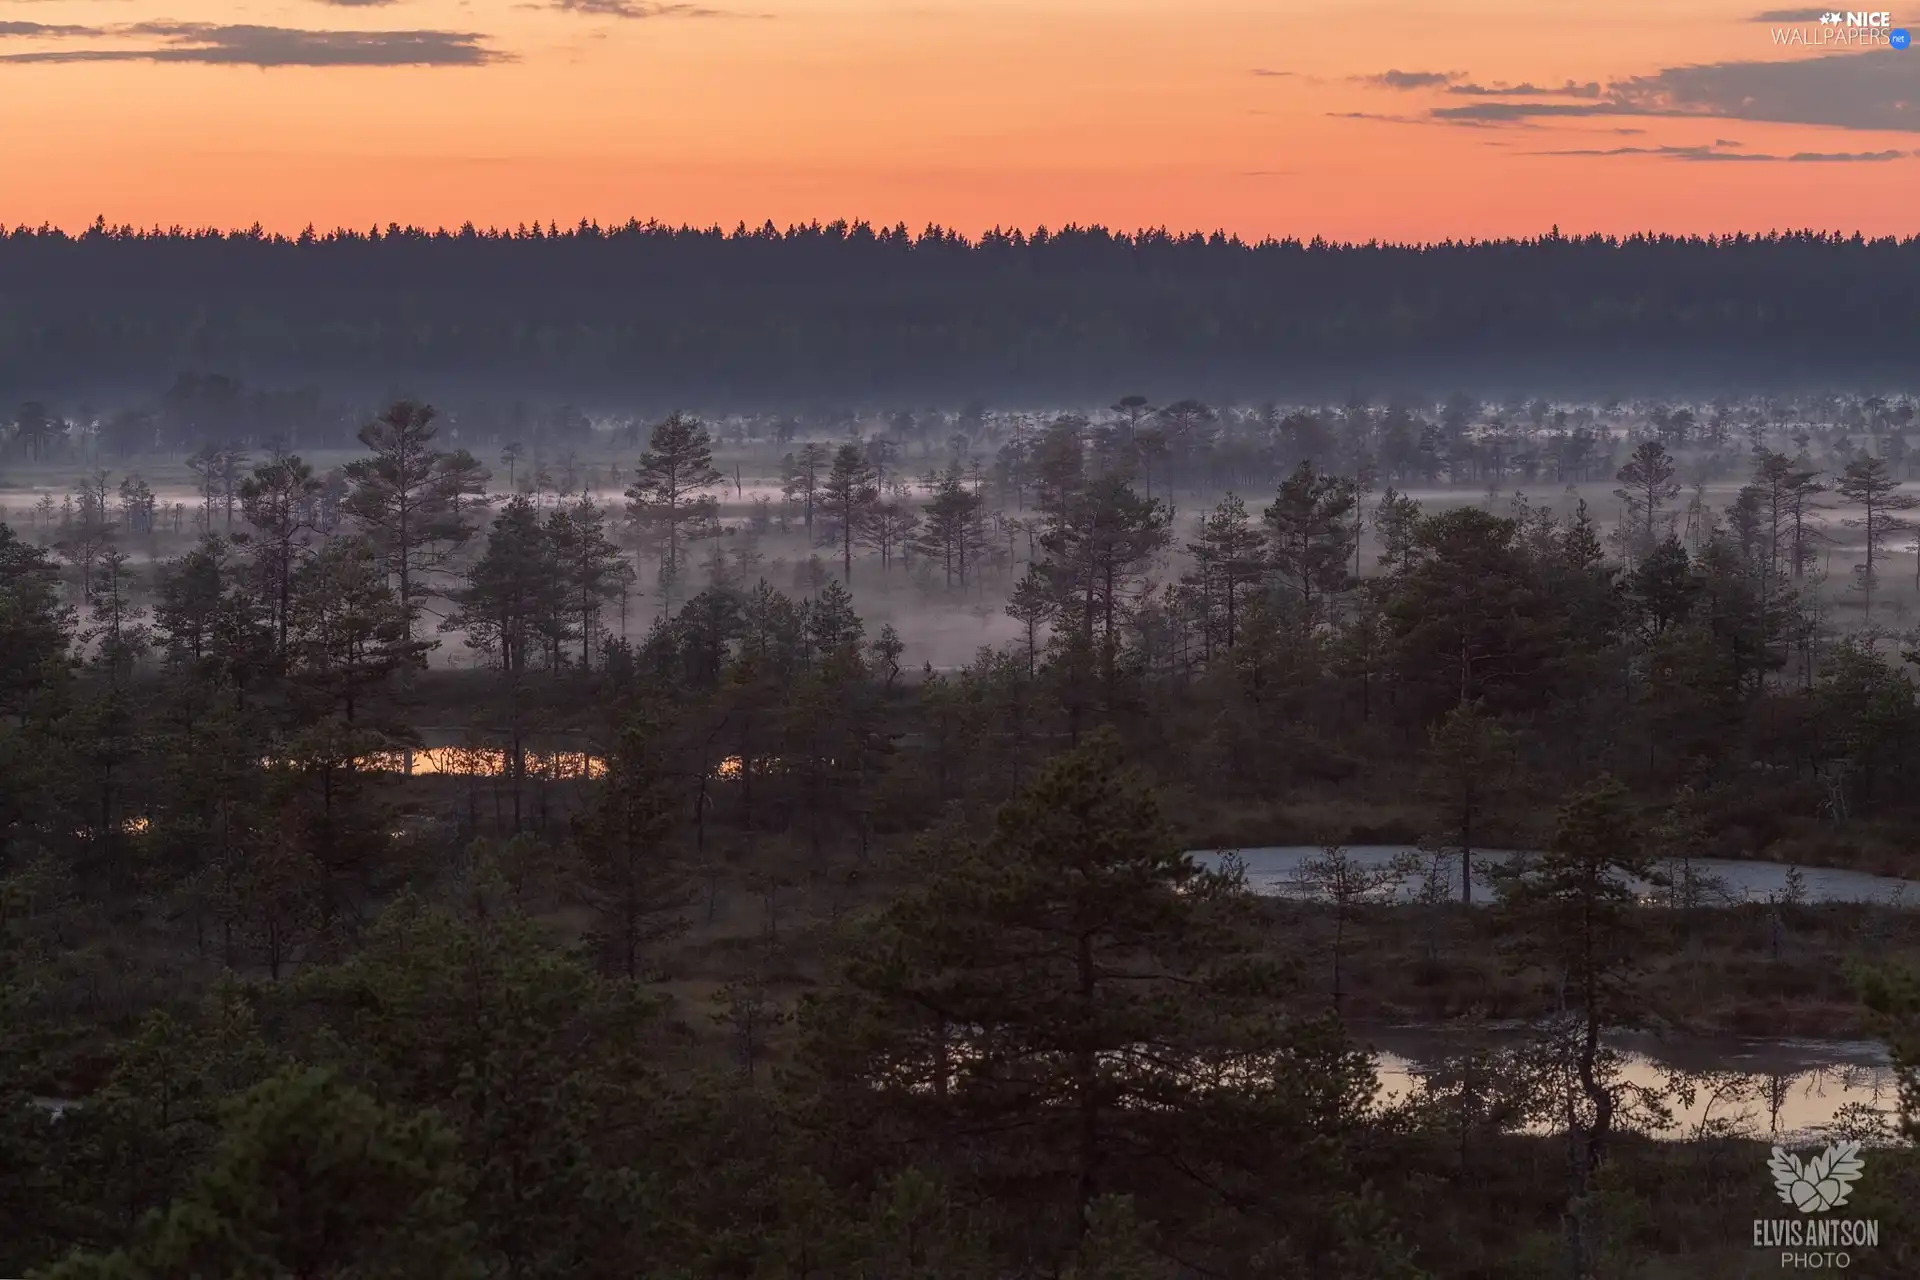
{"x":1877,"y":90}
{"x":1392,"y":119}
{"x":358,"y":4}
{"x":1262,"y":71}
{"x":1519,"y":112}
{"x":1789,"y":15}
{"x":1845,"y":157}
{"x":1712,"y":155}
{"x":1397,"y":79}
{"x":1591,"y":89}
{"x":1676,"y":153}
{"x":635,"y":9}
{"x":252,"y":46}
{"x":46,"y":31}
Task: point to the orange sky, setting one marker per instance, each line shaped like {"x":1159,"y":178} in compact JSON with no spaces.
{"x":966,"y":112}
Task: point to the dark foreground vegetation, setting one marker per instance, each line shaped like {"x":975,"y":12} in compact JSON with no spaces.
{"x":752,"y":316}
{"x":743,"y":949}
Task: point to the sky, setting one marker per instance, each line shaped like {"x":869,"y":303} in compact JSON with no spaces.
{"x":1404,"y":120}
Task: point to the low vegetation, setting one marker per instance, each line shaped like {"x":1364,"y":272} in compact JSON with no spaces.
{"x":824,"y":963}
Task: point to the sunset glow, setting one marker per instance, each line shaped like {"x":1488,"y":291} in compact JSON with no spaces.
{"x":1256,"y":116}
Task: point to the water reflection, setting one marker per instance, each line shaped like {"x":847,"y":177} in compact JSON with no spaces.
{"x":493,"y":762}
{"x":1519,"y":1080}
{"x":485,"y":762}
{"x":1284,"y":872}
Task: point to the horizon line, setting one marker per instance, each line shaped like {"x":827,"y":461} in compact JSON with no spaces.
{"x":931,"y":233}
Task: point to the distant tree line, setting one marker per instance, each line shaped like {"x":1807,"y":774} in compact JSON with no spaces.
{"x":845,"y":308}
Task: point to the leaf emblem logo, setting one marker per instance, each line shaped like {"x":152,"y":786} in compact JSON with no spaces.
{"x":1821,"y":1182}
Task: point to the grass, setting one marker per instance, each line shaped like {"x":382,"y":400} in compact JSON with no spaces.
{"x":1708,"y":972}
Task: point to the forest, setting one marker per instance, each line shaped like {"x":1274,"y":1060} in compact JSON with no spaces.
{"x":518,"y":841}
{"x":757,"y":318}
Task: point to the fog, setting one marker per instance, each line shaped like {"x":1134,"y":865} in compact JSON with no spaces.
{"x":1511,"y":457}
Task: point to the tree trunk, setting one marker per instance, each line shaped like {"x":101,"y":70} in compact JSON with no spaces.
{"x":1086,"y":1070}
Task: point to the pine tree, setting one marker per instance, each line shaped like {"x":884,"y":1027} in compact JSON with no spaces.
{"x":801,"y":476}
{"x":1310,"y":534}
{"x":1646,"y":486}
{"x":1033,"y":606}
{"x":277,"y":501}
{"x":414,"y":501}
{"x":849,"y":493}
{"x":350,"y":630}
{"x":311,"y":1178}
{"x":1229,"y":561}
{"x":1100,"y":535}
{"x":595,"y":571}
{"x":1575,"y":908}
{"x":1468,"y":616}
{"x":889,"y":529}
{"x":116,"y":621}
{"x":513,"y":593}
{"x":89,"y":533}
{"x":630,"y":874}
{"x":1468,"y":758}
{"x":187,"y":601}
{"x":951,"y":532}
{"x":1395,"y":519}
{"x":1052,"y":1006}
{"x":1868,"y":485}
{"x":513,"y":586}
{"x":673,"y":474}
{"x":33,"y":622}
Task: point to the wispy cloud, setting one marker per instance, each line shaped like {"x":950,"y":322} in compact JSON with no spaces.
{"x":1789,"y":15}
{"x":255,"y":46}
{"x":1427,"y":119}
{"x":1518,"y":112}
{"x":1714,"y":155}
{"x":1397,"y":79}
{"x":1263,"y":71}
{"x":1591,"y":89}
{"x":359,"y":4}
{"x":1876,"y":91}
{"x":636,"y":9}
{"x":47,"y":31}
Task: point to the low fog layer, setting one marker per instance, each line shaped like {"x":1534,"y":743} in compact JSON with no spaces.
{"x":931,"y":519}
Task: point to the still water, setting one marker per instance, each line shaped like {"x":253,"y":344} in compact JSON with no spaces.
{"x":485,"y":762}
{"x":1794,"y":1092}
{"x":1278,"y":872}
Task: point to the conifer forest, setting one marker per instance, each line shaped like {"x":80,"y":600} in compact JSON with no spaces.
{"x":498,"y":804}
